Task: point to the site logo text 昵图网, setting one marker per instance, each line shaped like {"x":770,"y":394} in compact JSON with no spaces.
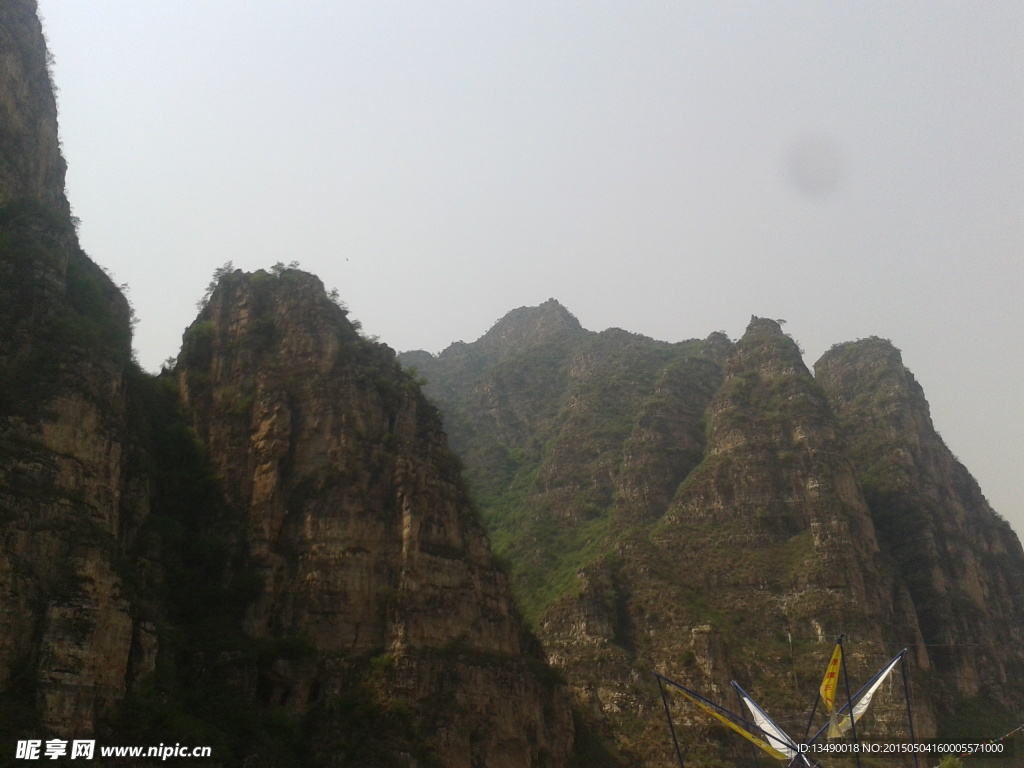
{"x":85,"y":749}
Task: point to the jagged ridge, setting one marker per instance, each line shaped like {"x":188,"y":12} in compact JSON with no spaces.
{"x":733,"y":522}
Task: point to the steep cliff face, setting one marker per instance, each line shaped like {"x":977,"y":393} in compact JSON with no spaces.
{"x":960,"y":561}
{"x":65,"y":627}
{"x":775,"y":469}
{"x":65,"y":500}
{"x":356,"y":523}
{"x":774,"y":528}
{"x":31,"y":166}
{"x":343,"y":581}
{"x":721,"y":520}
{"x":572,"y":439}
{"x":765,"y":553}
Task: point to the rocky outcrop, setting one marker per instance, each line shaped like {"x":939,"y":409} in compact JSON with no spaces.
{"x":64,"y":503}
{"x":961,"y":562}
{"x":31,"y":166}
{"x":775,"y":469}
{"x":774,"y":528}
{"x":345,"y":545}
{"x":356,"y":523}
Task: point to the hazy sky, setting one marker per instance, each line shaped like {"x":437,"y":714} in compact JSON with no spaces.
{"x":671,"y":168}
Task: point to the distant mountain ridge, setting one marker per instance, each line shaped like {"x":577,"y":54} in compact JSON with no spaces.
{"x":712,"y":510}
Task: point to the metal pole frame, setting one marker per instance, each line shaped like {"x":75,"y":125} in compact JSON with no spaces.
{"x":753,"y":749}
{"x":671,"y":727}
{"x":906,"y":697}
{"x":849,"y":699}
{"x":810,"y":720}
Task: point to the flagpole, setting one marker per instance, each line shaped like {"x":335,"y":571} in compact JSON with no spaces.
{"x":672,"y":728}
{"x":849,"y":700}
{"x":753,"y":749}
{"x":906,"y":697}
{"x":810,"y":720}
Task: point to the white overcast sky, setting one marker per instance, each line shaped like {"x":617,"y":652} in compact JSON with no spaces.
{"x":671,"y":168}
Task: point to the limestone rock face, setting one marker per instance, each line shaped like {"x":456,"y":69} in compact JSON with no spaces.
{"x":31,"y":165}
{"x":66,"y":506}
{"x":356,"y":522}
{"x":961,"y":562}
{"x":272,"y":547}
{"x":775,"y":469}
{"x":774,"y":526}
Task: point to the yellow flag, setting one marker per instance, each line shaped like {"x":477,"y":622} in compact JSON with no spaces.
{"x":831,"y":681}
{"x":740,"y":730}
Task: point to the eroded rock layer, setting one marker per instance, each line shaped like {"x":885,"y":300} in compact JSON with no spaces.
{"x":31,"y":166}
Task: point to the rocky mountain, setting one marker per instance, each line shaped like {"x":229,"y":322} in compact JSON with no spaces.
{"x":267,"y":550}
{"x":959,"y":559}
{"x":270,"y":548}
{"x":357,"y":531}
{"x":713,"y":511}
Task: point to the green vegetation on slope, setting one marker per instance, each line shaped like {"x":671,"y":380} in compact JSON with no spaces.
{"x":56,"y":306}
{"x":546,"y":479}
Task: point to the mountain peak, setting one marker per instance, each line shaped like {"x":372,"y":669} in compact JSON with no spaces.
{"x":529,"y":326}
{"x":765,"y":347}
{"x":764,"y":325}
{"x":549,"y":315}
{"x":877,"y":350}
